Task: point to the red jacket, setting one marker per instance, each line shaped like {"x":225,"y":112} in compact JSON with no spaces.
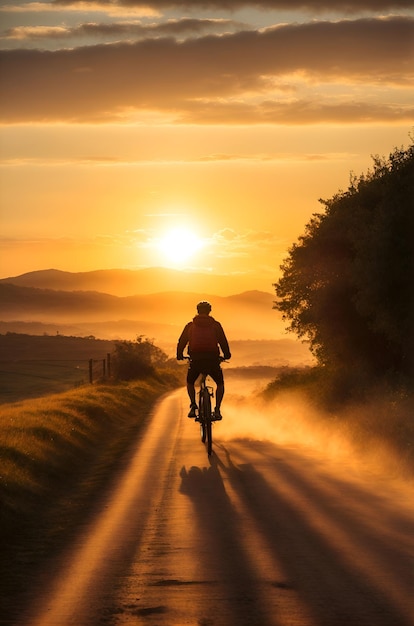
{"x":221,"y":339}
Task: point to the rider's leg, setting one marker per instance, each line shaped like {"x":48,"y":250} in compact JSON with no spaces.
{"x":217,"y":376}
{"x":192,"y":376}
{"x":219,"y":394}
{"x":191,"y":392}
{"x":192,"y":396}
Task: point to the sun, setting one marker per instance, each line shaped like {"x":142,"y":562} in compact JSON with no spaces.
{"x":179,"y":245}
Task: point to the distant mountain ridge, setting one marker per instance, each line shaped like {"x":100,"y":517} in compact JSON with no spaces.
{"x":255,"y":330}
{"x":248,"y":315}
{"x":122,"y":282}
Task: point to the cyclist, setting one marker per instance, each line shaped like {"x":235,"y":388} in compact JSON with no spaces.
{"x":204,"y":337}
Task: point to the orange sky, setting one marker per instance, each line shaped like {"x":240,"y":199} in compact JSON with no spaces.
{"x":123,"y":121}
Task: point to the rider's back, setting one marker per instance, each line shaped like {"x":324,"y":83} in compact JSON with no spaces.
{"x":203,"y":335}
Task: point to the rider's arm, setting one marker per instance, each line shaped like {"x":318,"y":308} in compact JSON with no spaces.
{"x":223,"y":343}
{"x":182,"y":342}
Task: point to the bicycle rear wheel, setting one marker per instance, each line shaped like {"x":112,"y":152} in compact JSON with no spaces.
{"x":201,"y":417}
{"x":209,"y":436}
{"x":207,"y":420}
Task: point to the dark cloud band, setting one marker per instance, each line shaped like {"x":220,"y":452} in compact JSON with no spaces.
{"x":99,"y":82}
{"x":288,"y":5}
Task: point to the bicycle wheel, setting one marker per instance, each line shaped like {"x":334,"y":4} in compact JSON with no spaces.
{"x":201,"y":417}
{"x":207,"y":420}
{"x":209,"y":433}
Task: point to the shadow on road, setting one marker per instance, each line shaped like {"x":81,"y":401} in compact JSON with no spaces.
{"x":221,"y":544}
{"x":343,"y":567}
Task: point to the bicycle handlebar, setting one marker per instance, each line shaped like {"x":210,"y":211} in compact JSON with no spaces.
{"x":221,"y":359}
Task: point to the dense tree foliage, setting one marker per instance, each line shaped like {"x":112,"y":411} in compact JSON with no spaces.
{"x":137,"y":359}
{"x":347,"y":286}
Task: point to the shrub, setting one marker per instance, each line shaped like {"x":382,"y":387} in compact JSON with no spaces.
{"x":137,"y":359}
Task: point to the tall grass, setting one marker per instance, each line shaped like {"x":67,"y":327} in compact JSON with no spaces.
{"x":46,"y":444}
{"x":56,"y":452}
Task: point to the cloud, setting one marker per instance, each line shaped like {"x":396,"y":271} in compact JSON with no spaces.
{"x":231,"y":78}
{"x":176,"y":28}
{"x":228,"y":243}
{"x":347,"y":6}
{"x":111,"y":161}
{"x":109,"y":8}
{"x":294,"y":112}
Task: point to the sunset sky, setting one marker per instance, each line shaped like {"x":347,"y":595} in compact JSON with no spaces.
{"x":193,"y":135}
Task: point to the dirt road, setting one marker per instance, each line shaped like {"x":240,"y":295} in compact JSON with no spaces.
{"x":260,"y":534}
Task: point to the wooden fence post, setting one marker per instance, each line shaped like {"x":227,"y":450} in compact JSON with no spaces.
{"x":108,"y":360}
{"x":90,"y":370}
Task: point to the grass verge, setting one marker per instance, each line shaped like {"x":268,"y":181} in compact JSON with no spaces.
{"x":55,"y":453}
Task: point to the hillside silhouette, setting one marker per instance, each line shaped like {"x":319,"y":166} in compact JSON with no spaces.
{"x":121,"y":282}
{"x":18,"y":346}
{"x":247,"y":315}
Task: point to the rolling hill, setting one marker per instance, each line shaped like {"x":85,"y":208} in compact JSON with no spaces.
{"x":121,"y":282}
{"x":247,"y":317}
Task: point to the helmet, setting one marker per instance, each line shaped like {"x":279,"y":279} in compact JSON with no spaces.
{"x":204,"y":307}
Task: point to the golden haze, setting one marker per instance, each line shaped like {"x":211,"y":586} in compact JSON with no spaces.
{"x":122,"y":124}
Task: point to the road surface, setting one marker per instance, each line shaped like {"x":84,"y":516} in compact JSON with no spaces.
{"x":259,"y":534}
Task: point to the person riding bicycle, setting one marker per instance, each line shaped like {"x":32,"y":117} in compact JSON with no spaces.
{"x":204,"y":337}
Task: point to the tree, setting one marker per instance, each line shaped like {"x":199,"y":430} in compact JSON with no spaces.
{"x":347,"y":285}
{"x":136,"y":359}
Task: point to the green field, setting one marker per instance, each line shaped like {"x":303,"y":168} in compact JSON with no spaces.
{"x":32,"y":366}
{"x":31,"y":379}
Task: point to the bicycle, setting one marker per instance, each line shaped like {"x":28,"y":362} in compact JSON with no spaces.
{"x":205,"y":416}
